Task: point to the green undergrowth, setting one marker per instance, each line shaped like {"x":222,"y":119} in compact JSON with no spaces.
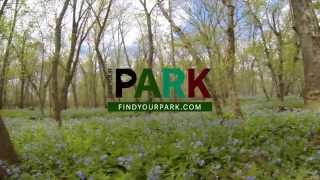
{"x":267,"y":145}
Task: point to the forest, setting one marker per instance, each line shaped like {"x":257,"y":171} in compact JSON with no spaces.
{"x":58,"y":63}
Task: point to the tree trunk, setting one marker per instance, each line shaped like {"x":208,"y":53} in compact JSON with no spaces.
{"x":78,"y":35}
{"x":217,"y":103}
{"x":55,"y":64}
{"x":104,"y":89}
{"x":151,"y":47}
{"x":126,"y":53}
{"x":109,"y":83}
{"x":3,"y":6}
{"x":75,"y":95}
{"x":172,"y":46}
{"x":7,"y":151}
{"x":231,"y":58}
{"x":42,"y":87}
{"x":5,"y":60}
{"x":149,"y":59}
{"x":97,"y":41}
{"x":67,"y":74}
{"x":3,"y":173}
{"x":263,"y":86}
{"x":307,"y":27}
{"x":22,"y":95}
{"x":85,"y":77}
{"x":281,"y":85}
{"x":94,"y":84}
{"x":23,"y":72}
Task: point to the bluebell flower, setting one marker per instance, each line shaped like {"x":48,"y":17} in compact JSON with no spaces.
{"x":125,"y":161}
{"x":155,"y":173}
{"x":251,"y":178}
{"x":197,"y":144}
{"x":81,"y":175}
{"x":87,"y":161}
{"x":104,"y":157}
{"x":201,"y":162}
{"x":278,"y":161}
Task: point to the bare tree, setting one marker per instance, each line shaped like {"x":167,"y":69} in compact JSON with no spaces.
{"x":195,"y":55}
{"x":55,"y":64}
{"x":3,"y":6}
{"x":122,"y":34}
{"x":5,"y":60}
{"x":274,"y":25}
{"x":101,"y":26}
{"x":151,"y":49}
{"x":80,"y":31}
{"x":23,"y":73}
{"x":276,"y":75}
{"x":231,"y":56}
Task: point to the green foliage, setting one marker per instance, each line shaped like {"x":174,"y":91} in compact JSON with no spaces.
{"x":267,"y":145}
{"x":316,"y":5}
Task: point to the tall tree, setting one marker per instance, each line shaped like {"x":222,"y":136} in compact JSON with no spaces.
{"x":151,"y":49}
{"x":23,"y":73}
{"x":5,"y":59}
{"x":195,"y":56}
{"x":307,"y":27}
{"x":55,"y":64}
{"x":231,"y":56}
{"x":101,"y":24}
{"x":7,"y":151}
{"x":277,"y":69}
{"x":80,"y":31}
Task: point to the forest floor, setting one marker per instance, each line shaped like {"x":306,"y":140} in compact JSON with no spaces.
{"x":95,"y":144}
